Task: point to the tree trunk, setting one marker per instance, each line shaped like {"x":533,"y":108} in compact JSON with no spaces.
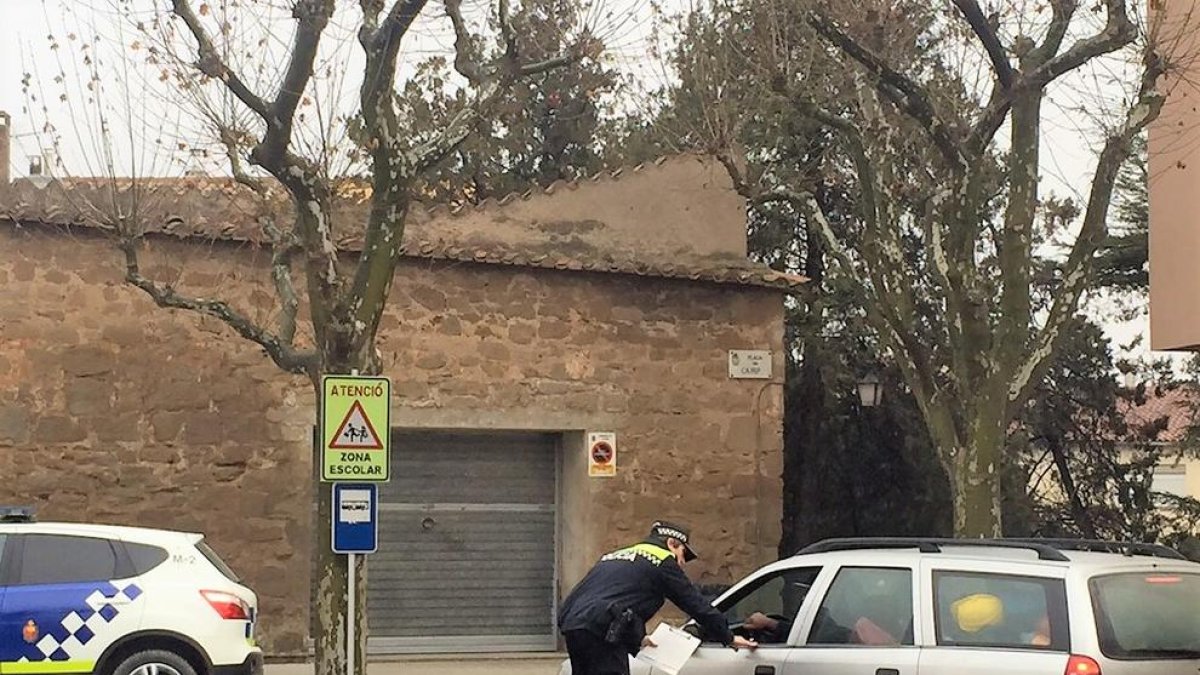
{"x":975,"y":469}
{"x":802,"y":448}
{"x":330,"y":576}
{"x":804,"y":405}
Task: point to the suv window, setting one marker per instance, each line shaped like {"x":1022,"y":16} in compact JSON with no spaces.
{"x":1148,"y":615}
{"x":145,"y":557}
{"x":866,"y":606}
{"x":778,"y":595}
{"x":1000,"y":611}
{"x":61,"y":559}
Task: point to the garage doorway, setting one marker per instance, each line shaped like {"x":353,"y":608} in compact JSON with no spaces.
{"x":467,"y":544}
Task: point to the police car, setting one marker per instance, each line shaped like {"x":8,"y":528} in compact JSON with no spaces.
{"x":78,"y":598}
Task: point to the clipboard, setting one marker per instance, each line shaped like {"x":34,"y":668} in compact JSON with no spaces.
{"x":673,"y":647}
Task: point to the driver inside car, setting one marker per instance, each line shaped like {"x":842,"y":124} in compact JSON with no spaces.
{"x":768,"y":629}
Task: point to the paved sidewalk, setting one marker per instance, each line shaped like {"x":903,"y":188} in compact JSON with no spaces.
{"x":482,"y":664}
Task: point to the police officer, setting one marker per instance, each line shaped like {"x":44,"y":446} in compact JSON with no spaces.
{"x":604,"y":618}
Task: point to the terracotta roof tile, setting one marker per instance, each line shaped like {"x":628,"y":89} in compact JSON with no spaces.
{"x":221,"y":208}
{"x":1178,"y":406}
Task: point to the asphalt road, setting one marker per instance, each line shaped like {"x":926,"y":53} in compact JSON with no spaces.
{"x":474,"y":665}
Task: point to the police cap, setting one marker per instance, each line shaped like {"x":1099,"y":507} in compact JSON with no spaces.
{"x":661,"y":529}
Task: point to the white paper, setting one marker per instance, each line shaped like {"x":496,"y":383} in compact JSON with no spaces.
{"x":673,"y":647}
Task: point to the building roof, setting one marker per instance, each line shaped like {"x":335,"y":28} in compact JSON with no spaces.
{"x":1176,"y":406}
{"x":547,"y":228}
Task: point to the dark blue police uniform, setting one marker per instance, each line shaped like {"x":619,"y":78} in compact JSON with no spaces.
{"x":604,"y":618}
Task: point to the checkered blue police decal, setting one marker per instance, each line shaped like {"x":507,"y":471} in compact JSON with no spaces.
{"x":67,"y":617}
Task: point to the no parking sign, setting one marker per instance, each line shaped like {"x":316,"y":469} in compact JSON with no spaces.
{"x":602,"y":454}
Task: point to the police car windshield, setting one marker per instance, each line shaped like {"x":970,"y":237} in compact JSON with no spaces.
{"x":215,"y":559}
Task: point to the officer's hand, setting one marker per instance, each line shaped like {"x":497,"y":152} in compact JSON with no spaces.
{"x":740,"y":642}
{"x":647,"y":642}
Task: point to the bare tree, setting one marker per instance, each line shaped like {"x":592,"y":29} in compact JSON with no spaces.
{"x":938,"y":112}
{"x":222,"y":63}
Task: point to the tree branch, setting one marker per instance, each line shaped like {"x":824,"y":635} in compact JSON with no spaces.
{"x":1001,"y":100}
{"x":397,"y":23}
{"x":506,"y":32}
{"x":912,"y":99}
{"x":466,"y":54}
{"x":1060,"y":21}
{"x":456,"y":130}
{"x":1078,"y":268}
{"x":211,"y":64}
{"x":312,"y":17}
{"x":292,"y":361}
{"x":229,"y":140}
{"x":1083,"y":518}
{"x":987,"y":37}
{"x":283,"y":247}
{"x":1118,"y":32}
{"x":912,"y":357}
{"x":382,"y":45}
{"x":543,"y":66}
{"x":989,"y":122}
{"x":490,"y":89}
{"x":882,"y":247}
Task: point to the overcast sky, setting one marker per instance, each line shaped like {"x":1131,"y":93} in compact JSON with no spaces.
{"x":1068,"y":154}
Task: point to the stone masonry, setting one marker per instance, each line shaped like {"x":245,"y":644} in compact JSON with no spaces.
{"x":113,"y":410}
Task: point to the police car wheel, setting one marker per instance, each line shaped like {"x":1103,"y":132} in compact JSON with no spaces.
{"x":154,"y":662}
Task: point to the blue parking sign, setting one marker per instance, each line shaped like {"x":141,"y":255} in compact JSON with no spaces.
{"x":355,"y":518}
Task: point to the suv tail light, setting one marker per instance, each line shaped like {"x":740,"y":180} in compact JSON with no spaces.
{"x":1082,"y":665}
{"x":230,"y":606}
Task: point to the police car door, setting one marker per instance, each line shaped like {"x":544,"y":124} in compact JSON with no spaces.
{"x":62,"y":607}
{"x":863,"y":624}
{"x":777,"y":593}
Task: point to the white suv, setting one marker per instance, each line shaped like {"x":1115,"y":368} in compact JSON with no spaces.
{"x":957,"y":607}
{"x":120,"y":601}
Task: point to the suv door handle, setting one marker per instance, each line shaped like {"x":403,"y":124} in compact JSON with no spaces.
{"x":887,"y":671}
{"x":764,"y":670}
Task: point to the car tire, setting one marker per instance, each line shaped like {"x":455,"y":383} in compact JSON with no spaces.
{"x":154,"y":662}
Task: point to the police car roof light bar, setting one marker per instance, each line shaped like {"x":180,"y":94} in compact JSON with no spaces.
{"x":931,"y":545}
{"x":17,"y":514}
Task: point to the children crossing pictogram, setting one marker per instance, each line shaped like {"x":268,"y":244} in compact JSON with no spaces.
{"x":356,"y":432}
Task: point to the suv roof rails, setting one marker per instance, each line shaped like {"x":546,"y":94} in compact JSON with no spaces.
{"x":17,"y":514}
{"x":1047,"y":549}
{"x":1127,"y":548}
{"x":932,"y":545}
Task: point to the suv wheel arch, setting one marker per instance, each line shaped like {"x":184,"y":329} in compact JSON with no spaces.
{"x":182,"y":645}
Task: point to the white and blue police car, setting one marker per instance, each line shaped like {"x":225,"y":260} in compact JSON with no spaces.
{"x":77,"y":598}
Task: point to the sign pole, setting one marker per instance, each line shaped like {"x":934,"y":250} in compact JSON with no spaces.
{"x":350,"y":616}
{"x":350,"y":593}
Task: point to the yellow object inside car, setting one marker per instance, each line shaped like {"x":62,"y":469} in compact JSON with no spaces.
{"x":975,"y":612}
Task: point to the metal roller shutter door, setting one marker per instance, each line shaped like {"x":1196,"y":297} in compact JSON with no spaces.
{"x":467,"y":545}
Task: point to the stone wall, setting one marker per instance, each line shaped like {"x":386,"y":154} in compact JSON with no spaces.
{"x":112,"y":410}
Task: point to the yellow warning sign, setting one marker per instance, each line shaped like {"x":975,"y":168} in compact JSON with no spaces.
{"x":355,"y":428}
